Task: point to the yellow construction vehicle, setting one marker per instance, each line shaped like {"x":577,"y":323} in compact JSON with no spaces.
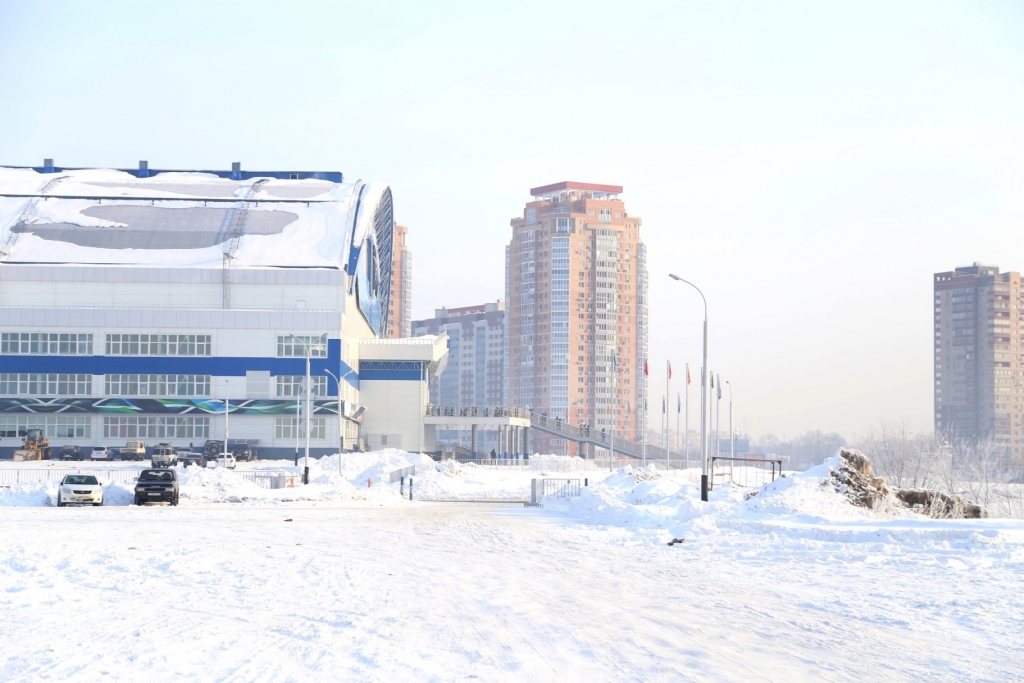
{"x":36,"y":447}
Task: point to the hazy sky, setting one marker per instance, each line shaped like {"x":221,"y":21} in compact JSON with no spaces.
{"x":808,"y":164}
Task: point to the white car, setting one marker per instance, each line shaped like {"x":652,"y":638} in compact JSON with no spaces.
{"x":79,"y":488}
{"x":229,"y":462}
{"x":99,"y":453}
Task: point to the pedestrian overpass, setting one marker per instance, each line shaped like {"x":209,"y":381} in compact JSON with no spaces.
{"x":514,"y":425}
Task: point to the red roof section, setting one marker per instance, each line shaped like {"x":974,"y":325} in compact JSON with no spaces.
{"x":572,"y":185}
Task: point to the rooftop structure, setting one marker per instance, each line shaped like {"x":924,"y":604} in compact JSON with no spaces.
{"x":133,"y":301}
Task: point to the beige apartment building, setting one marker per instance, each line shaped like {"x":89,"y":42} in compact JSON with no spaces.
{"x":400,"y":298}
{"x":576,"y":293}
{"x":979,"y":361}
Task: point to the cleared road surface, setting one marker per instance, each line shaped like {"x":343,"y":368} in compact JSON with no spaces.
{"x":484,"y":592}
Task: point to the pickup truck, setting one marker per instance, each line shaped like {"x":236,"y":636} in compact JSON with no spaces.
{"x":157,"y":485}
{"x":164,"y":456}
{"x":134,"y":450}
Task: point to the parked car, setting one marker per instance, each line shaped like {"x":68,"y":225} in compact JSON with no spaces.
{"x":71,"y":453}
{"x":100,"y":453}
{"x":157,"y":485}
{"x":79,"y":488}
{"x":134,"y":450}
{"x":189,"y":458}
{"x":243,"y":452}
{"x":164,"y":455}
{"x":226,"y":461}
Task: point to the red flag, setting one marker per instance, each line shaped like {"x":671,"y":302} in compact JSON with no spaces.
{"x":669,"y":369}
{"x":719,"y":388}
{"x":645,"y":367}
{"x":663,"y":404}
{"x":688,"y":374}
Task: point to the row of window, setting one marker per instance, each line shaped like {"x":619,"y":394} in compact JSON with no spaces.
{"x":53,"y":344}
{"x":144,"y":427}
{"x":61,"y":384}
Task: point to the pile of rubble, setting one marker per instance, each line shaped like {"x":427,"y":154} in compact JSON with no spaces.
{"x":856,"y":479}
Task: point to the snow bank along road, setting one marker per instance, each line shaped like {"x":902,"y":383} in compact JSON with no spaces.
{"x":435,"y":591}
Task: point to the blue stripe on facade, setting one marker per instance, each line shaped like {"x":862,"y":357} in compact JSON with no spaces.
{"x":223,"y":366}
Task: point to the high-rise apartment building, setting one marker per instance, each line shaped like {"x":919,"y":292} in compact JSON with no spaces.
{"x":475,"y":374}
{"x":400,"y":299}
{"x":979,"y":381}
{"x":576,"y":287}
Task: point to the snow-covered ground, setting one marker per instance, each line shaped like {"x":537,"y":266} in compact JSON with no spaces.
{"x":361,"y":584}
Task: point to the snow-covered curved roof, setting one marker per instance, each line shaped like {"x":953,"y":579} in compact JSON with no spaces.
{"x":183,"y":219}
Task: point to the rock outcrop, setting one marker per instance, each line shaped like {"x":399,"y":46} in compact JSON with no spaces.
{"x":856,"y":479}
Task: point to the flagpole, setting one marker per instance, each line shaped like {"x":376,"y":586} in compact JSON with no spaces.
{"x":668,"y":397}
{"x":678,"y":409}
{"x":686,"y":437}
{"x":643,"y":416}
{"x":718,"y":418}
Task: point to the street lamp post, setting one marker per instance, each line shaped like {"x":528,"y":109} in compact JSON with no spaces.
{"x":307,"y":347}
{"x":341,"y":430}
{"x":703,"y":397}
{"x":227,"y":409}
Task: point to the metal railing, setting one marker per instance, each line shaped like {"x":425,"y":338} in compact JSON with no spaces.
{"x":21,"y":475}
{"x":488,"y":411}
{"x":399,"y":474}
{"x":271,"y":480}
{"x":744,"y":472}
{"x":559,"y":488}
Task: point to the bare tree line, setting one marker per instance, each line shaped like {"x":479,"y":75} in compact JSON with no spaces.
{"x":960,"y":466}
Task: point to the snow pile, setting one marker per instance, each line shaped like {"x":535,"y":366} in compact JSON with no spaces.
{"x":376,"y":466}
{"x":28,"y":495}
{"x":805,"y":505}
{"x":42,"y":494}
{"x":546,"y":463}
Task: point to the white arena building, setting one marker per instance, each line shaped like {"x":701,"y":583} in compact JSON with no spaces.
{"x":134,"y":302}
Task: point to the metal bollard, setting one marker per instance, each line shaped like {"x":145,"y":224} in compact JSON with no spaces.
{"x":401,"y":487}
{"x":586,"y":482}
{"x":410,"y":488}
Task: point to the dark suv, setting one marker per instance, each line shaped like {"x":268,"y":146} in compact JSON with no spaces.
{"x":243,"y":452}
{"x":157,"y":485}
{"x":71,"y":453}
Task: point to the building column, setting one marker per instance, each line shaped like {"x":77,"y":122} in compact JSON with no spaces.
{"x":473,"y":441}
{"x":526,"y":442}
{"x":501,"y":441}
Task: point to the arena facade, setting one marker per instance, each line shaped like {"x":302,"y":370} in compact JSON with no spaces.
{"x":139,"y":304}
